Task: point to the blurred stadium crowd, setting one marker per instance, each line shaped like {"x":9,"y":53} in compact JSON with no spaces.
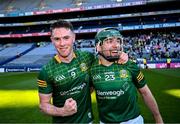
{"x":150,"y":28}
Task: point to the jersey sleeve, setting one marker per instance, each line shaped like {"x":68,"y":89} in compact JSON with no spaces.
{"x":86,"y":57}
{"x":137,"y":75}
{"x":44,"y":84}
{"x":90,"y":79}
{"x":90,"y":59}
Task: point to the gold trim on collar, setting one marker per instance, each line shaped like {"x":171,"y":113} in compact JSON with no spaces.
{"x":74,"y":55}
{"x":59,"y":60}
{"x":100,"y":63}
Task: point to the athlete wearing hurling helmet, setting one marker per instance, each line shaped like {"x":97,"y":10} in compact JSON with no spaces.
{"x":109,"y":43}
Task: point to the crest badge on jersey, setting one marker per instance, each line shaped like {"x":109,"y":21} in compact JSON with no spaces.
{"x":123,"y":73}
{"x":83,"y":66}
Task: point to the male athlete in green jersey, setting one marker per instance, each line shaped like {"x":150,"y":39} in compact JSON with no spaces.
{"x":65,"y":79}
{"x":116,"y":85}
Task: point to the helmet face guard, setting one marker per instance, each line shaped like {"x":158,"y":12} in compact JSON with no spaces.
{"x":106,"y":35}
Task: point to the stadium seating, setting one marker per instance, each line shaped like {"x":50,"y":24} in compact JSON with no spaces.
{"x":31,"y":5}
{"x":147,"y":28}
{"x":37,"y":56}
{"x":11,"y":50}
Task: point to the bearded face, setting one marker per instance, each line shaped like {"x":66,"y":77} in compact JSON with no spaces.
{"x":111,"y":48}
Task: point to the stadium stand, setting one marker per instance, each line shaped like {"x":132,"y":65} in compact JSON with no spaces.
{"x":150,"y":27}
{"x":31,"y":5}
{"x":13,"y":50}
{"x":38,"y":56}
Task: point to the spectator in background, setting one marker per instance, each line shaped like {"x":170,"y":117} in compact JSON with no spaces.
{"x":155,"y":46}
{"x":65,"y":79}
{"x":116,"y":84}
{"x":145,"y":63}
{"x":168,"y":62}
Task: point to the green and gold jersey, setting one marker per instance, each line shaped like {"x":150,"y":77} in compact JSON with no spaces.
{"x":69,"y":80}
{"x":116,"y":91}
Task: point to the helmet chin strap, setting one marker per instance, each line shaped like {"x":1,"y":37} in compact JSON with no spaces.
{"x":109,"y":58}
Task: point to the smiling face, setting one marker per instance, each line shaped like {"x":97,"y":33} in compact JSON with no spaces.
{"x":110,"y":48}
{"x":109,"y":44}
{"x":63,"y":39}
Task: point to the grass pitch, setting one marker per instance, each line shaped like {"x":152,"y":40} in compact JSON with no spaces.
{"x":19,"y":99}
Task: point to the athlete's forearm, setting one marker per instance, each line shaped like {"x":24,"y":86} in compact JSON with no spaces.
{"x":69,"y":108}
{"x":151,"y":103}
{"x":51,"y":109}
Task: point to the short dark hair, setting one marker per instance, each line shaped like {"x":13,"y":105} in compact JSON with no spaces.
{"x":61,"y":24}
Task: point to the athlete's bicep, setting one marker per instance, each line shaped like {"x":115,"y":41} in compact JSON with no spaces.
{"x":45,"y":98}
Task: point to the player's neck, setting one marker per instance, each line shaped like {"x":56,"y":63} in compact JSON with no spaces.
{"x":104,"y":61}
{"x":67,"y":59}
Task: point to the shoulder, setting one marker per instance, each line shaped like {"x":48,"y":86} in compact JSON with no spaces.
{"x":130,"y":63}
{"x":84,"y":56}
{"x":83,"y":53}
{"x":95,"y":63}
{"x":49,"y":65}
{"x":46,"y":70}
{"x":132,"y":66}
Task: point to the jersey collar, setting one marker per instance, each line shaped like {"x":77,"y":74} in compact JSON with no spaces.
{"x":59,"y":60}
{"x":101,"y":63}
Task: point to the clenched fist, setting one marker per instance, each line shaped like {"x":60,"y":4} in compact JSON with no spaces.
{"x":70,"y":107}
